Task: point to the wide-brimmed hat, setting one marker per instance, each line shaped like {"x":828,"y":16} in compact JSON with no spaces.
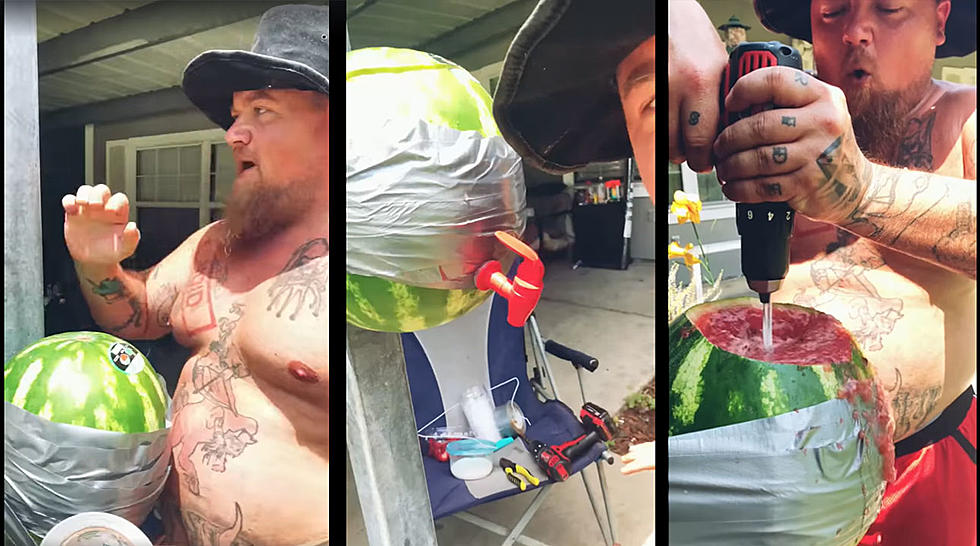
{"x":289,"y":52}
{"x":792,"y":17}
{"x":557,"y":102}
{"x":734,"y":22}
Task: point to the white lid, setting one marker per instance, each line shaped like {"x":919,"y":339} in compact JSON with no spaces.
{"x":95,"y":529}
{"x":471,"y":468}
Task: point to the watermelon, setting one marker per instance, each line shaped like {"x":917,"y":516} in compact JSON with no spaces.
{"x":88,"y":379}
{"x":720,"y":374}
{"x":413,"y":251}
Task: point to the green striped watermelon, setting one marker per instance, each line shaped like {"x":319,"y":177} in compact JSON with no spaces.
{"x":89,"y":379}
{"x":720,"y":373}
{"x":388,"y":306}
{"x":434,"y":92}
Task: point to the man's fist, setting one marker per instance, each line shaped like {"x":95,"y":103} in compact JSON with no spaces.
{"x":97,"y":230}
{"x":802,"y":152}
{"x":696,"y":61}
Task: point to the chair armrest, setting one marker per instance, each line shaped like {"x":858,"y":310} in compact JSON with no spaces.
{"x":577,"y":358}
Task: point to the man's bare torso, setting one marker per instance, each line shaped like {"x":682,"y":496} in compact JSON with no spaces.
{"x":249,"y":433}
{"x":915,"y":321}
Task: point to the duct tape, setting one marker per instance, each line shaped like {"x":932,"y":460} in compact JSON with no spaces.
{"x":53,"y":471}
{"x":95,"y":529}
{"x":805,"y":477}
{"x":424,"y":201}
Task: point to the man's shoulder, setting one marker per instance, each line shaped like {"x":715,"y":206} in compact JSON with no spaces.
{"x":958,"y":97}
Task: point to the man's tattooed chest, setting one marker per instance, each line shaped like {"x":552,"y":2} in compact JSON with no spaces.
{"x":841,"y":283}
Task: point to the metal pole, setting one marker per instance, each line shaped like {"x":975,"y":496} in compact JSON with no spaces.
{"x":23,"y":288}
{"x":382,"y":444}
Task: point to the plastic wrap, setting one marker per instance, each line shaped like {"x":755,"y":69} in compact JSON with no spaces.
{"x":804,"y":477}
{"x":53,"y":471}
{"x":424,"y":201}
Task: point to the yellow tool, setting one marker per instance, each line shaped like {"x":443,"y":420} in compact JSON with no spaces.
{"x":516,"y":474}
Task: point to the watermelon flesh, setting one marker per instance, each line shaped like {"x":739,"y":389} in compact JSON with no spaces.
{"x":720,"y":373}
{"x":89,"y":379}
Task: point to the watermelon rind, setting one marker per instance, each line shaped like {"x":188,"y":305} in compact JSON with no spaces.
{"x":711,"y":387}
{"x":387,"y":306}
{"x":70,"y":378}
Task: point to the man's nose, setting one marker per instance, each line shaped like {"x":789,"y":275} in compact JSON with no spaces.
{"x":238,"y":133}
{"x":859,"y":29}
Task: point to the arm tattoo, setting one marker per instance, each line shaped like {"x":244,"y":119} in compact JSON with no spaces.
{"x":304,"y":278}
{"x":773,"y":189}
{"x":779,"y":154}
{"x":789,"y":121}
{"x":840,"y":173}
{"x":166,"y":304}
{"x":135,"y":318}
{"x":212,"y":421}
{"x":958,"y":248}
{"x":694,"y":118}
{"x":203,"y":532}
{"x":111,"y":289}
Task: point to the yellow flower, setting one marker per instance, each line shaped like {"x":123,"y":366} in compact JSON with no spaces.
{"x":674,"y":250}
{"x":686,"y":207}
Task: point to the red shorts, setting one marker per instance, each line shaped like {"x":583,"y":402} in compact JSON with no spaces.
{"x":934,"y":499}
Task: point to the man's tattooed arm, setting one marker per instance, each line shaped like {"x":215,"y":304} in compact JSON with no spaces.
{"x":116,"y":298}
{"x":925,"y":215}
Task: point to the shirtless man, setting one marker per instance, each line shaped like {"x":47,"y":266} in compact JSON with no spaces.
{"x":880,"y":162}
{"x":607,"y":114}
{"x":246,"y":294}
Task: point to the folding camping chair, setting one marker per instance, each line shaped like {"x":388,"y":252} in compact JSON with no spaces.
{"x":481,"y":348}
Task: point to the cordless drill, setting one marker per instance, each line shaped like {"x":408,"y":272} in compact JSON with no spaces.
{"x":554,"y":460}
{"x":765,"y":227}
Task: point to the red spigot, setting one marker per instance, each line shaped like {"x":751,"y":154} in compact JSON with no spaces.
{"x":524,"y":292}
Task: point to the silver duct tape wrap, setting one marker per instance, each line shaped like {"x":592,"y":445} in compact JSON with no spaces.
{"x":802,"y":478}
{"x":424,"y":200}
{"x":53,"y":471}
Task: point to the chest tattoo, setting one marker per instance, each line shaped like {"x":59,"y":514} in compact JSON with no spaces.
{"x":302,"y":284}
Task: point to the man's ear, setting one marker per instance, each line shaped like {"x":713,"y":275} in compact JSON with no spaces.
{"x":942,"y":13}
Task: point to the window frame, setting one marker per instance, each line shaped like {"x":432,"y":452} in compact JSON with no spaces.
{"x":205,"y":139}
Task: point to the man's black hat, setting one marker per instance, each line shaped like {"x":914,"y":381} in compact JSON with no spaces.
{"x":734,"y":22}
{"x":557,"y":103}
{"x":792,"y":17}
{"x":289,"y":52}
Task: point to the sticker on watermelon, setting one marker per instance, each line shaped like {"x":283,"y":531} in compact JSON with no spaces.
{"x":126,"y":358}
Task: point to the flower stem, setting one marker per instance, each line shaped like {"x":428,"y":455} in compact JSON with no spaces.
{"x":704,"y":256}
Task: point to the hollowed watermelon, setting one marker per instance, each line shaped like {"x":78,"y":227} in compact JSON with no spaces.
{"x":720,"y":374}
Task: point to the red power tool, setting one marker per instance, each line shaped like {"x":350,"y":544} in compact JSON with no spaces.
{"x":554,"y":460}
{"x":523,"y":294}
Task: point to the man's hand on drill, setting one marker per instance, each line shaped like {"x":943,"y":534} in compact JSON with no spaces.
{"x":803,"y":151}
{"x":97,"y":230}
{"x":696,"y":60}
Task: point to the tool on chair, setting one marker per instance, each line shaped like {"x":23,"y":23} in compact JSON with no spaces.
{"x":517,"y":474}
{"x":765,"y":228}
{"x":523,"y":293}
{"x":555,"y":459}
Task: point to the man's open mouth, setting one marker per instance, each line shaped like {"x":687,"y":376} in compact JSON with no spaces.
{"x":859,"y":75}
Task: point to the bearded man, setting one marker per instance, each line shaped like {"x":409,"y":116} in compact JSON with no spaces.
{"x":246,"y":294}
{"x":880,"y":161}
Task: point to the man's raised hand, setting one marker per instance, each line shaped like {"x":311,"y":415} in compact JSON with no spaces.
{"x":803,"y":151}
{"x":97,"y":230}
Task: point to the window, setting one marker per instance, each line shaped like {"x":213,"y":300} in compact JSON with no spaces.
{"x":176,"y":184}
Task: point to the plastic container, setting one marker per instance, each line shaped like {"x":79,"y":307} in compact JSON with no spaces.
{"x":478,"y":409}
{"x":467,"y":466}
{"x":504,"y":415}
